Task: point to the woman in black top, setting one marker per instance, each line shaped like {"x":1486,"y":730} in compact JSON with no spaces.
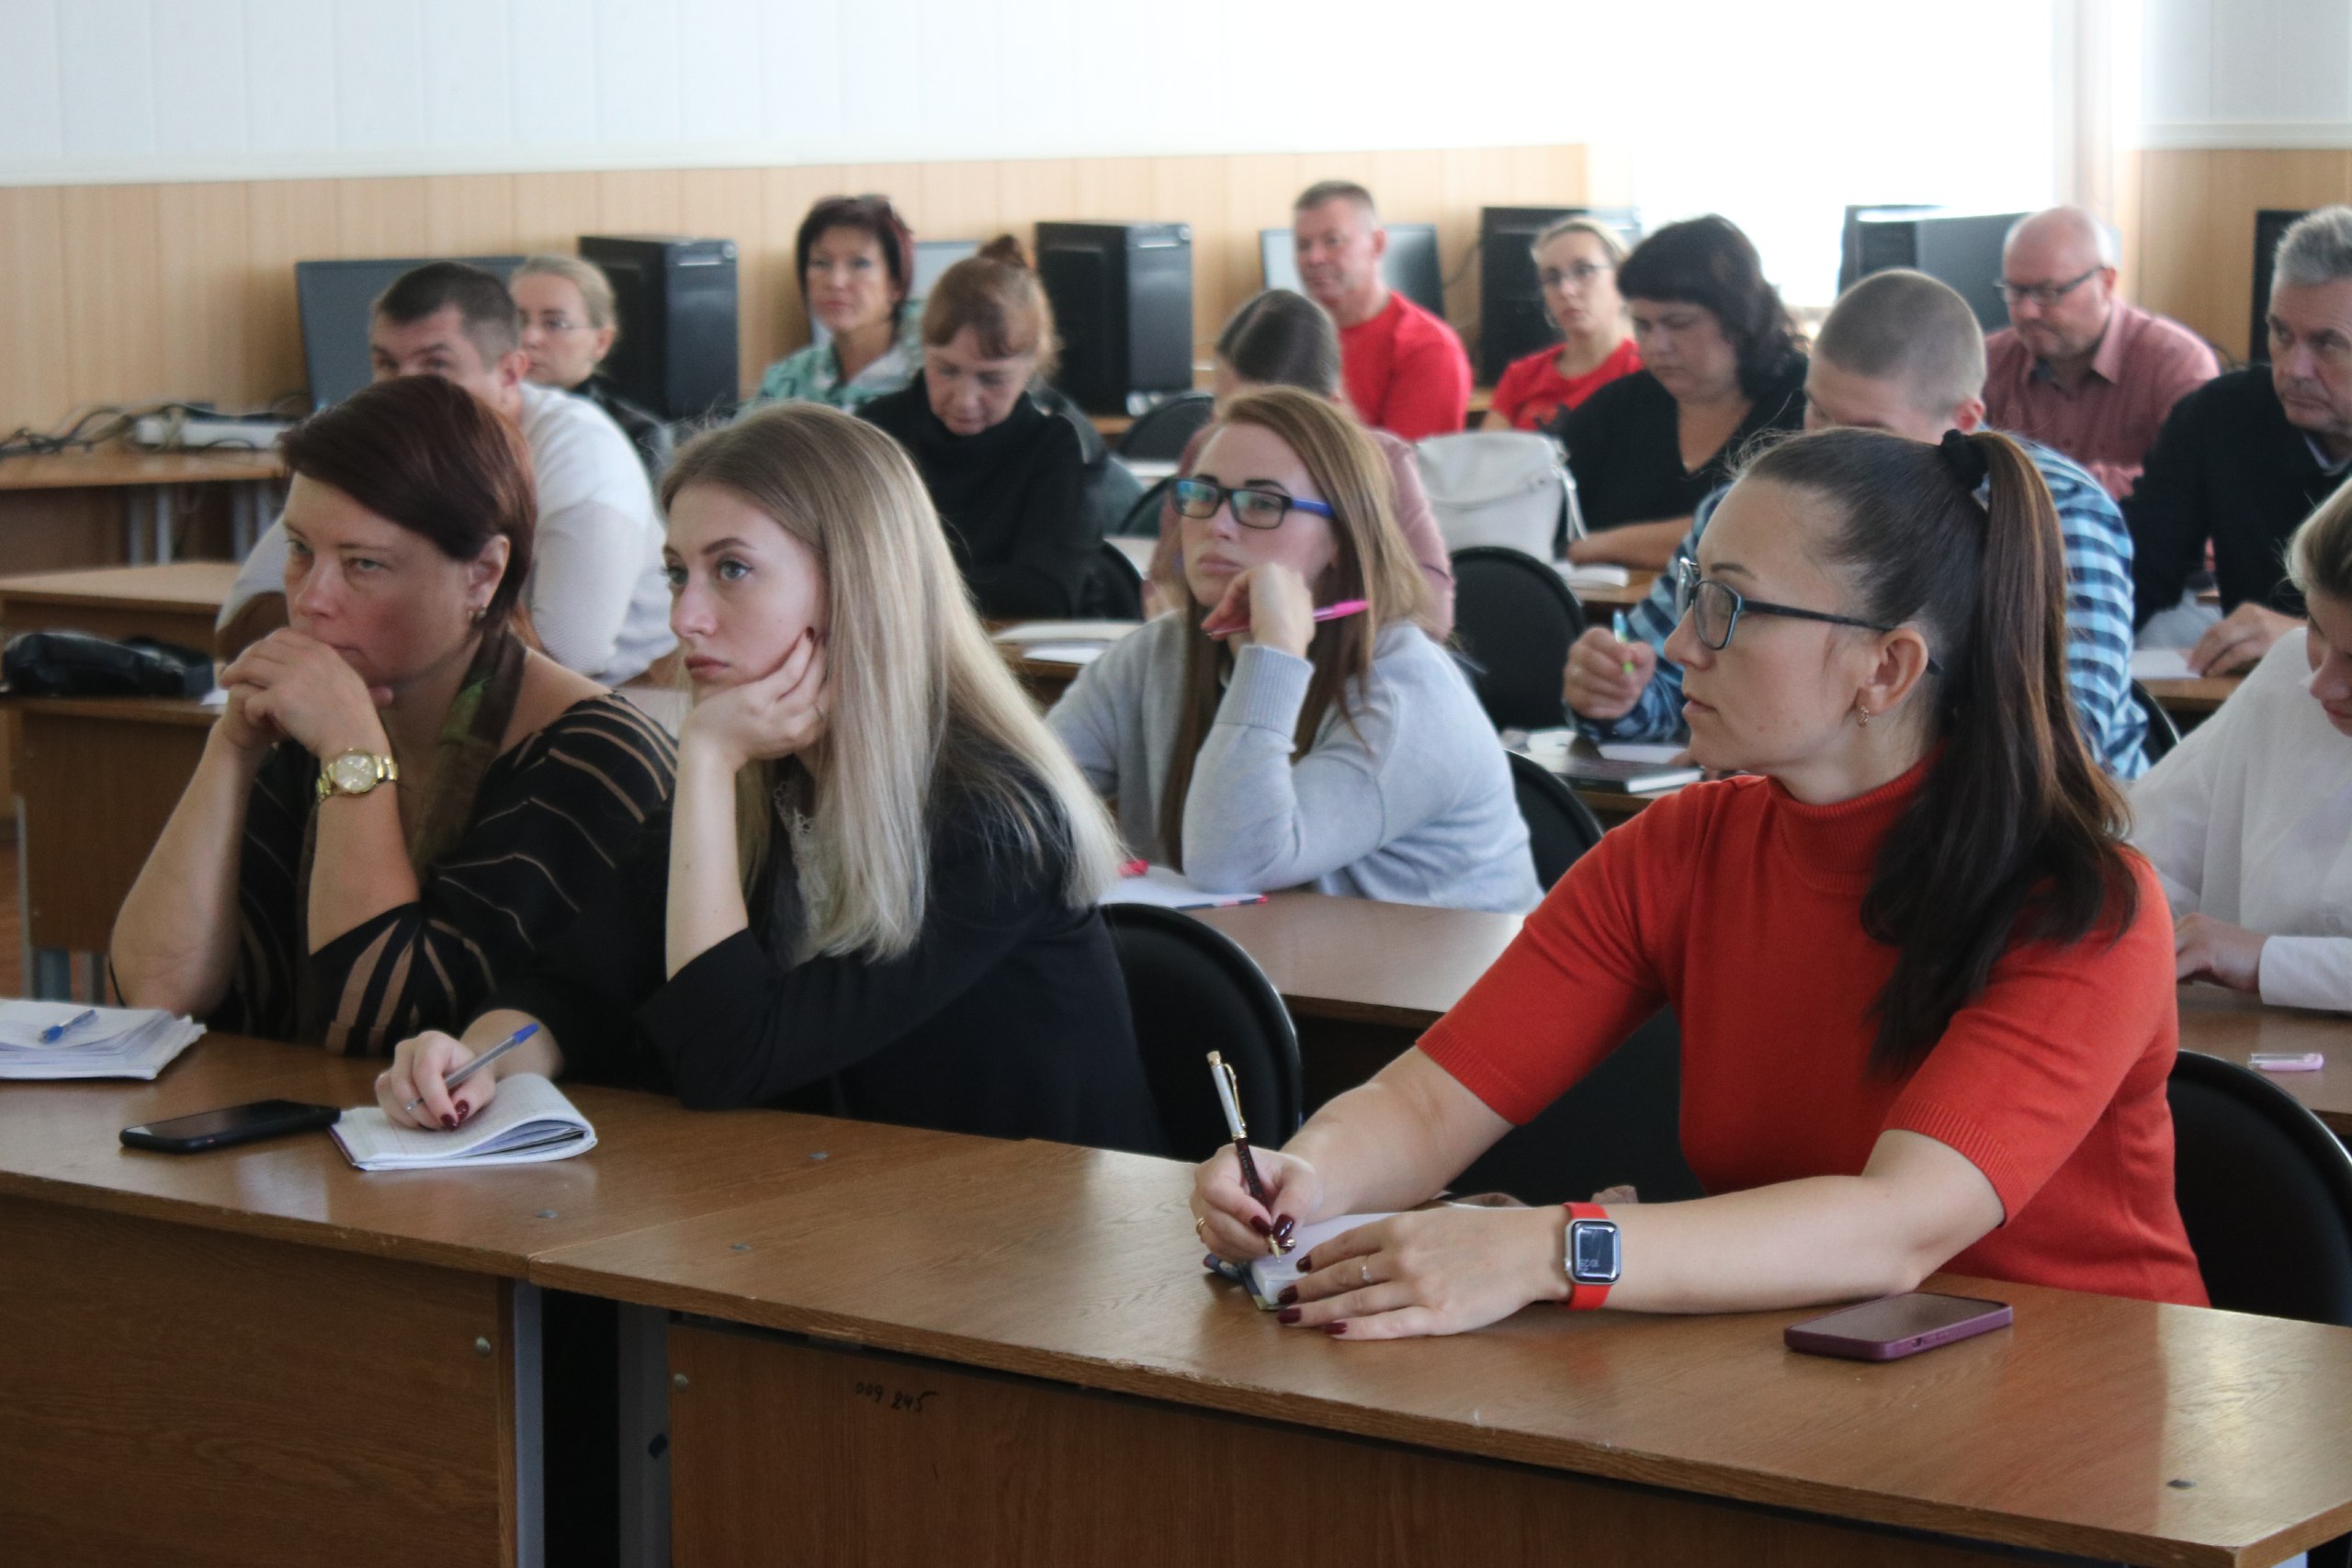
{"x":569,"y":324}
{"x":1006,"y":474}
{"x":875,"y":895}
{"x":1721,"y":365}
{"x":399,"y":802}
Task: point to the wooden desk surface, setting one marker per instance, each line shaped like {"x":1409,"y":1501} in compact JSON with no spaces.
{"x":2233,"y":1025}
{"x":1394,"y":964}
{"x":2196,"y":696}
{"x":198,"y":586}
{"x":1080,"y":1266}
{"x":111,"y":467}
{"x":653,"y":1162}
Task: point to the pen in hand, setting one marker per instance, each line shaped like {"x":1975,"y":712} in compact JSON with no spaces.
{"x":1622,"y":632}
{"x":1228,"y":1095}
{"x":470,"y":1068}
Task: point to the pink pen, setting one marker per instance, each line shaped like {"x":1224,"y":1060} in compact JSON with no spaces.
{"x":1344,"y":608}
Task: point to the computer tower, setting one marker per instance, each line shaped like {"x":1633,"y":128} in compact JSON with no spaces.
{"x":1962,"y":249}
{"x":2270,"y":225}
{"x":1512,"y":320}
{"x":677,"y":355}
{"x":1122,"y":300}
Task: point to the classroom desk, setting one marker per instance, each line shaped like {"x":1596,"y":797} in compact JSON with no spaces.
{"x":151,"y":483}
{"x":2233,"y":1025}
{"x":234,"y":1357}
{"x":2194,"y":698}
{"x":176,"y":602}
{"x":1012,"y":1357}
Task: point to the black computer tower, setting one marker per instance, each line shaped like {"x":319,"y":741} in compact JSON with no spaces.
{"x":1123,"y":302}
{"x":1512,"y":321}
{"x":677,"y":355}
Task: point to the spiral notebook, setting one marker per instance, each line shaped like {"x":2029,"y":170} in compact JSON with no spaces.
{"x":529,"y":1121}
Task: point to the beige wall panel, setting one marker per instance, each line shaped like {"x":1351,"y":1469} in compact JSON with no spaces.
{"x":210,"y":336}
{"x":552,"y":211}
{"x":381,"y":218}
{"x":286,"y":221}
{"x":113,"y":296}
{"x":470,"y":215}
{"x":36,"y":363}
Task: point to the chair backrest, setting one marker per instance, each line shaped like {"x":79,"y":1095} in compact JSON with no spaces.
{"x":1162,"y":433}
{"x":1142,"y":521}
{"x":1559,"y":825}
{"x":1194,"y":990}
{"x":2264,"y":1191}
{"x":1515,"y":619}
{"x":2164,"y":734}
{"x":1114,"y":591}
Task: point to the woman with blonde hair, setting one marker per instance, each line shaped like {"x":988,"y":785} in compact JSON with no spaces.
{"x":1254,"y":746}
{"x":1576,"y":261}
{"x":570,"y":324}
{"x":874,"y":894}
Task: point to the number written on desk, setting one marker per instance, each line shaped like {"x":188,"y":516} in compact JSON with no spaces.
{"x":889,"y":1398}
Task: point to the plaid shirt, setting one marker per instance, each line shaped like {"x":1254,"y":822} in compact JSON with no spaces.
{"x":2099,"y":621}
{"x":813,"y":375}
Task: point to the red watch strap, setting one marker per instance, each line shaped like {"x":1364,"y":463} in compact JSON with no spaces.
{"x":1582,"y":1297}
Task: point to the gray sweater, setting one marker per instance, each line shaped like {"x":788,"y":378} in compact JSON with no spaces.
{"x":1412,"y":803}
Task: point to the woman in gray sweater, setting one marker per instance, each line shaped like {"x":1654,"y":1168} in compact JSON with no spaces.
{"x":1253,"y":747}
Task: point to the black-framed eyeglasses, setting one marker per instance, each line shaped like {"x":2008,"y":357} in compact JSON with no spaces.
{"x":2043,"y":294}
{"x":1199,"y":499}
{"x":1714,"y":609}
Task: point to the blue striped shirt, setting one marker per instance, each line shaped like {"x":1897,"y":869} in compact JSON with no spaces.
{"x":2098,"y":624}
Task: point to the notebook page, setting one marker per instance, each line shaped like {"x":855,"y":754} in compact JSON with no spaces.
{"x":1173,"y":890}
{"x":530,"y":1121}
{"x":1270,"y":1275}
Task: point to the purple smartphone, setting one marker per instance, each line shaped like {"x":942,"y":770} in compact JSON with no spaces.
{"x":1896,"y":1326}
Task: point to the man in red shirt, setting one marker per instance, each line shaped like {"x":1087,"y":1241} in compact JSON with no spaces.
{"x":1405,"y":371}
{"x":2077,"y":368}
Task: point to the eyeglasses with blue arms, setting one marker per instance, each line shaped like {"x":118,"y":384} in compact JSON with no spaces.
{"x":1714,"y":609}
{"x":1252,"y":508}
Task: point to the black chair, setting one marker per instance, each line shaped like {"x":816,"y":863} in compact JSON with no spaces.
{"x":1114,"y":591}
{"x":1194,"y":990}
{"x":1514,"y":620}
{"x":1142,"y":520}
{"x":1559,"y":825}
{"x":2163,"y":733}
{"x":1162,"y":433}
{"x":1620,"y":1124}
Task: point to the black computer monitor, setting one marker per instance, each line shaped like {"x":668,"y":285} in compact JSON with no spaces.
{"x":337,"y":300}
{"x":1410,"y":266}
{"x":1962,"y":249}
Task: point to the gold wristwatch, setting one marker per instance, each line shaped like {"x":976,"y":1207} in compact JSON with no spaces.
{"x":355,"y":773}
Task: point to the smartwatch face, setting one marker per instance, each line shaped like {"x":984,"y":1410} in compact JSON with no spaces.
{"x":1592,"y":1252}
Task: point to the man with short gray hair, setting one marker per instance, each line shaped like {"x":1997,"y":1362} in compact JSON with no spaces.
{"x":2246,"y":457}
{"x":2077,"y":368}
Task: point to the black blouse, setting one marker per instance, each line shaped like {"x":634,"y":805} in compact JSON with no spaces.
{"x":553,"y":820}
{"x":1007,"y":1017}
{"x":1625,"y":447}
{"x":1011,"y":498}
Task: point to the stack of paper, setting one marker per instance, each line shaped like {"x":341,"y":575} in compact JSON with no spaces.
{"x":1269,"y":1277}
{"x":91,"y":1042}
{"x":1064,"y":642}
{"x":1597,"y":575}
{"x":529,"y":1121}
{"x":1173,"y":890}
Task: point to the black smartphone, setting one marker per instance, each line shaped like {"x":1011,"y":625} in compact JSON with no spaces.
{"x":229,"y":1125}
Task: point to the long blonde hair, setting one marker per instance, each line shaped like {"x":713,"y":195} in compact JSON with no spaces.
{"x":1373,"y":563}
{"x":921,"y":708}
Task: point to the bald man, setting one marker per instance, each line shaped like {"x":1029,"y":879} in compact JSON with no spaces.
{"x":2077,"y":368}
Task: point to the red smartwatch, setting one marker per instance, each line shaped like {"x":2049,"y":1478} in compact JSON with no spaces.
{"x":1593,"y":1256}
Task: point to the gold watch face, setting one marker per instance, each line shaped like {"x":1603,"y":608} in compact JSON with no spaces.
{"x":354,"y":772}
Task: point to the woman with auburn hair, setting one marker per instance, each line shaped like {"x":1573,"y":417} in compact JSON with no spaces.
{"x":1007,"y":475}
{"x":1926,"y":992}
{"x":401,"y":801}
{"x":1253,"y":745}
{"x":854,"y":258}
{"x":873,"y":896}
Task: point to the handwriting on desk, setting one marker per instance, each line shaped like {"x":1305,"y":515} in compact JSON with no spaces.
{"x":889,"y":1398}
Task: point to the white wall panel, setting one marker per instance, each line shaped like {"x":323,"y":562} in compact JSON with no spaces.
{"x":555,"y":78}
{"x":720,"y":60}
{"x":468,"y":75}
{"x":199,"y":82}
{"x":800,"y":72}
{"x":106,"y":69}
{"x":639,"y":88}
{"x":379,"y":77}
{"x":2247,"y":74}
{"x":32,"y":120}
{"x":290,"y":84}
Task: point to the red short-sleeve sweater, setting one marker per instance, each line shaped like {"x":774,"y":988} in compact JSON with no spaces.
{"x":1740,"y":906}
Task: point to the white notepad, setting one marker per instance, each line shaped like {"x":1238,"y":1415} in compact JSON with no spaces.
{"x":2161,"y":664}
{"x":1173,"y":890}
{"x":529,"y":1121}
{"x":99,"y":1042}
{"x":1269,"y":1277}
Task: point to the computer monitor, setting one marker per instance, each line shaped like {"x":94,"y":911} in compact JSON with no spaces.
{"x":337,"y":300}
{"x":933,"y":258}
{"x":1410,"y":265}
{"x":1962,"y":249}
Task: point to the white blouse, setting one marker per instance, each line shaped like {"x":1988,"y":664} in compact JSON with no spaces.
{"x":2250,"y":821}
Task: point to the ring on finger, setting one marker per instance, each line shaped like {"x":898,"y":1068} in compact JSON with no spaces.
{"x":1201,"y":1224}
{"x":1364,"y":1271}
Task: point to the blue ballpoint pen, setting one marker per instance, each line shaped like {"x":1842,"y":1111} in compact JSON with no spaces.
{"x":470,"y":1068}
{"x":56,"y":1032}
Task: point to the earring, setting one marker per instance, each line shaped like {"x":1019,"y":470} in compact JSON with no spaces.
{"x":480,"y":610}
{"x":1862,"y":716}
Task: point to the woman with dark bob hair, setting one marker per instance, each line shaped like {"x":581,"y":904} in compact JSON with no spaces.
{"x":854,"y":258}
{"x":1721,"y":364}
{"x":401,"y":802}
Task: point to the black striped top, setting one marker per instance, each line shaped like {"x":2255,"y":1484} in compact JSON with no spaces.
{"x":554,"y":819}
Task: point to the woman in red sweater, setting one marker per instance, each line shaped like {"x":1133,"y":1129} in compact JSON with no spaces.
{"x":1926,"y":993}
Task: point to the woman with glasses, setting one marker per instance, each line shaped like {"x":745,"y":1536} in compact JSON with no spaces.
{"x":854,"y":258}
{"x":1926,"y":993}
{"x":1292,"y":724}
{"x":1721,"y":364}
{"x":569,"y":326}
{"x":1576,"y":261}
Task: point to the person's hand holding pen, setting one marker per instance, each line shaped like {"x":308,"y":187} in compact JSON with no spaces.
{"x":1245,"y":1197}
{"x":1607,"y":672}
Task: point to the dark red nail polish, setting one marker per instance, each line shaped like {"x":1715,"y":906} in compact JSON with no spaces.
{"x":449,"y":1121}
{"x":1336,"y":1329}
{"x":1289,"y":1294}
{"x":1284,"y":1224}
{"x":1261,"y":1226}
{"x":1307,"y":1264}
{"x":1288,"y":1314}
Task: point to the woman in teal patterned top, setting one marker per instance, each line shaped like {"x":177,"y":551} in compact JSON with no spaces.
{"x":855,"y":257}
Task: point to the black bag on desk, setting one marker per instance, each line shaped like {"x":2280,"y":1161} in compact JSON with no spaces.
{"x":77,"y":664}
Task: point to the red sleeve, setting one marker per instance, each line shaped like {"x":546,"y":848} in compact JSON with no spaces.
{"x":1518,"y":380}
{"x":1429,"y":382}
{"x":2025,"y":1071}
{"x":1586,"y":969}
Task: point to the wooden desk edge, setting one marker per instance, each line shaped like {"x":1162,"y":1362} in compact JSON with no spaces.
{"x":187,"y":711}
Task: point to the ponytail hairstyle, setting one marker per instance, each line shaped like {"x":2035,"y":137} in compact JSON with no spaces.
{"x":1373,"y":563}
{"x":995,"y":292}
{"x":2016,"y":835}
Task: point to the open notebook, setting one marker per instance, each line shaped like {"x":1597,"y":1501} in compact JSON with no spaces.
{"x":529,"y":1121}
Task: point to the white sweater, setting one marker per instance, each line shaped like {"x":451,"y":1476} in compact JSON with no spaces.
{"x":2249,"y":820}
{"x":597,"y":593}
